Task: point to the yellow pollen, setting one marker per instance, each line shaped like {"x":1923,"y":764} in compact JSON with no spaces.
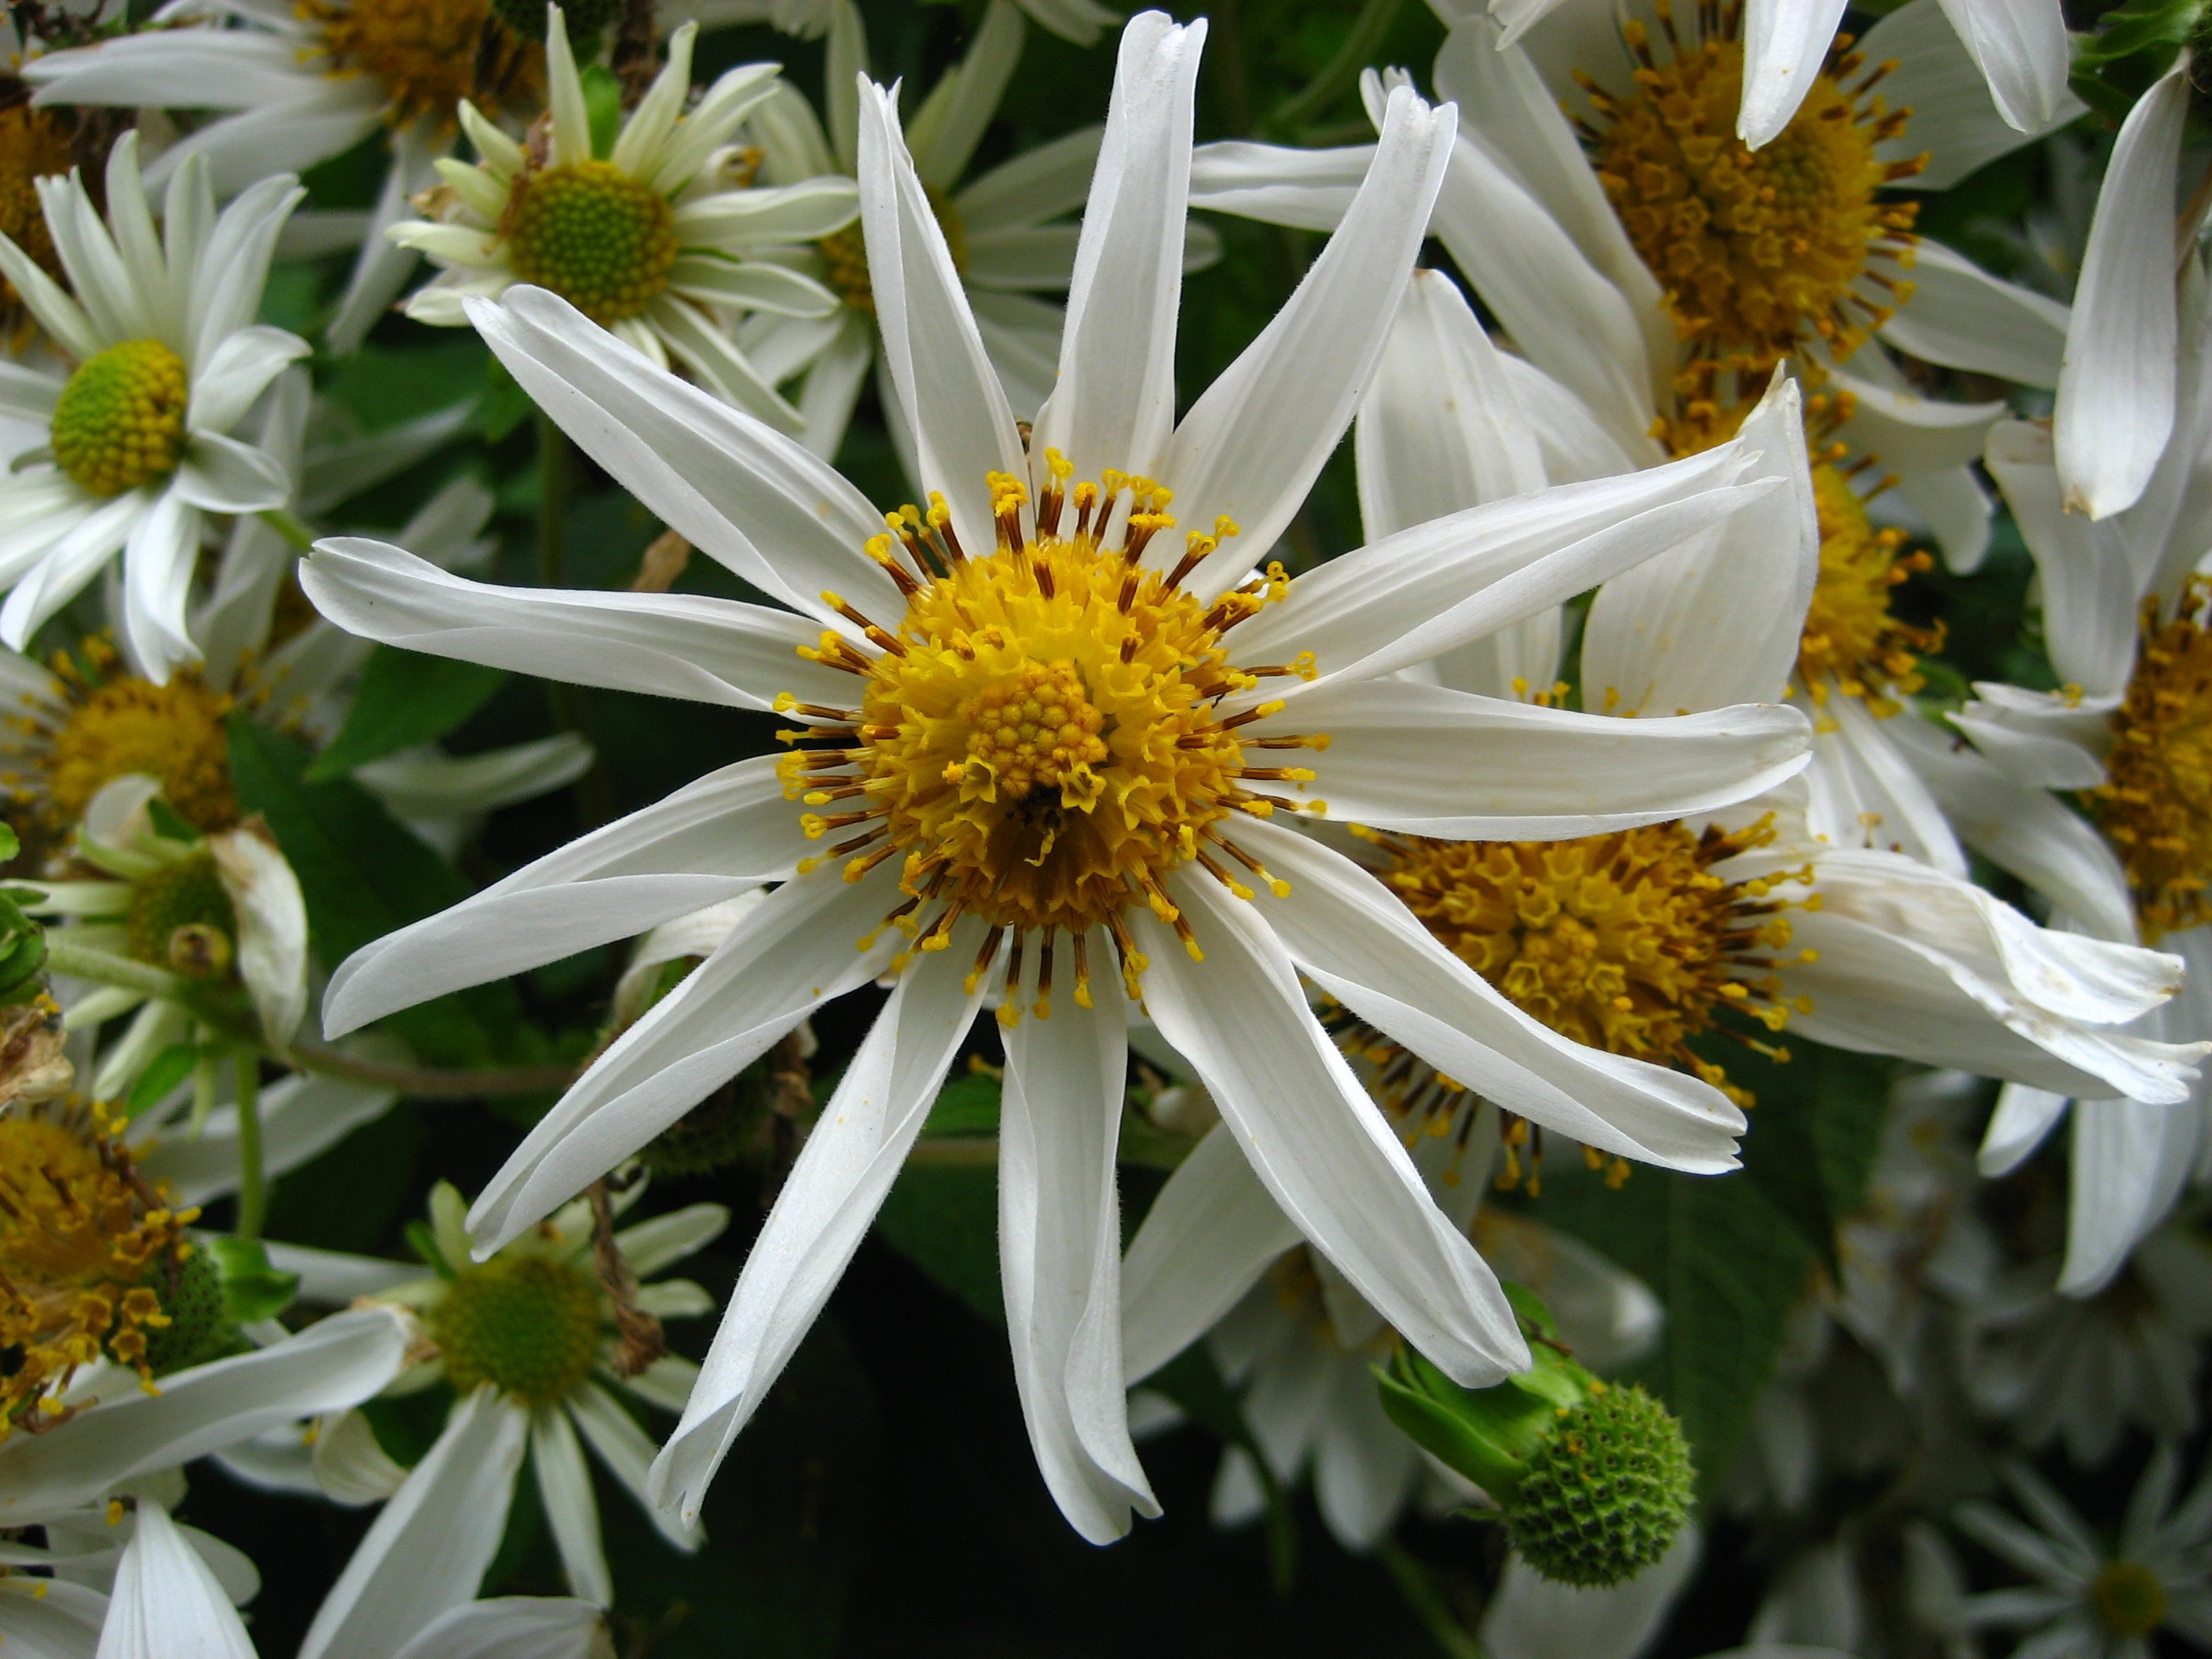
{"x":1758,"y":251}
{"x":34,"y":143}
{"x":595,"y":236}
{"x":1852,"y":642}
{"x":85,"y":1246}
{"x":2155,"y":805}
{"x":1039,"y":741}
{"x":175,"y":732}
{"x":120,"y":421}
{"x":427,"y":55}
{"x":1626,"y":942}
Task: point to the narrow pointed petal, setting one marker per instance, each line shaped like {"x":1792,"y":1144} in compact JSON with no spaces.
{"x":1785,"y":42}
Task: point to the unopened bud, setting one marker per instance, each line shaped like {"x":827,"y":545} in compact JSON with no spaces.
{"x":199,"y":950}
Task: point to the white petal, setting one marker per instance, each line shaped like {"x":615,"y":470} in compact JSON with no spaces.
{"x":2023,"y":53}
{"x":628,"y":1451}
{"x":1533,"y":1617}
{"x":664,"y":1240}
{"x":158,"y":560}
{"x":978,"y":84}
{"x":753,"y":286}
{"x":272,"y":928}
{"x":64,"y":567}
{"x":300,"y":1116}
{"x":1435,"y":762}
{"x":1037,"y":185}
{"x":729,"y":484}
{"x":1964,"y":317}
{"x":429,"y":1548}
{"x":2090,"y":589}
{"x":691,"y":337}
{"x":327,"y":1367}
{"x":572,"y":1509}
{"x":233,"y":265}
{"x":962,"y":425}
{"x":1305,"y":189}
{"x":670,"y":644}
{"x":1785,"y":42}
{"x":1210,"y":1235}
{"x":2130,"y":1162}
{"x":1863,"y":790}
{"x":239,"y":371}
{"x":1314,"y":1137}
{"x":1060,"y":1255}
{"x":2116,"y":390}
{"x":1251,"y":447}
{"x":384,"y":266}
{"x":782,"y":961}
{"x":1955,"y":507}
{"x":165,"y":1604}
{"x":2023,"y":1116}
{"x":1957,"y":121}
{"x":833,"y":1192}
{"x":223,"y":475}
{"x":512,"y":1627}
{"x":720,"y":835}
{"x":2044,"y":739}
{"x":1115,"y":403}
{"x":1920,"y":433}
{"x":427,"y":782}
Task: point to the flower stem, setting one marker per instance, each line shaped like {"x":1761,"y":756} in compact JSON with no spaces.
{"x":252,"y":1183}
{"x":1366,"y":35}
{"x":1425,"y":1601}
{"x":292,"y":528}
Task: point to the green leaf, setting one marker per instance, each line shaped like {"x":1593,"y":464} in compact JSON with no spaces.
{"x":1727,"y":1264}
{"x":362,"y":876}
{"x":9,"y":846}
{"x":163,"y":1072}
{"x":945,"y":1221}
{"x":405,"y":699}
{"x":603,"y":108}
{"x":168,"y":824}
{"x":251,"y":1289}
{"x":968,"y":1105}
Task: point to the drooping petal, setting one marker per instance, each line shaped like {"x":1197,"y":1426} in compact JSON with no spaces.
{"x":2089,"y":588}
{"x":2130,"y":1161}
{"x":167,"y":1604}
{"x":272,"y":928}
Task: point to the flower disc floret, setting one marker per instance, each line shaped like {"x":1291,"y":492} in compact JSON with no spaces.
{"x":1851,"y":642}
{"x":118,"y":724}
{"x":181,"y":918}
{"x":1039,"y":738}
{"x":595,"y":236}
{"x":427,"y":55}
{"x":1607,"y":1494}
{"x":2155,"y":806}
{"x":87,"y":1248}
{"x":1758,"y":251}
{"x":527,"y":1324}
{"x":2129,"y":1597}
{"x":120,"y":421}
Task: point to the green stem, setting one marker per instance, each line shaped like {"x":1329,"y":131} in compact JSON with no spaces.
{"x":1367,"y":31}
{"x":290,"y":526}
{"x":252,"y":1184}
{"x":1425,"y":1601}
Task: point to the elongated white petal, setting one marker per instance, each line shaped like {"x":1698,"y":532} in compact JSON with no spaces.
{"x":2130,"y":1161}
{"x":428,"y":1549}
{"x":672,"y":645}
{"x":733,"y":488}
{"x":1305,"y":189}
{"x":63,"y":565}
{"x":1313,"y":1136}
{"x":833,"y":1192}
{"x":512,"y":1627}
{"x":1113,"y":405}
{"x":572,"y":1509}
{"x":272,"y":928}
{"x":1533,"y":1617}
{"x":384,"y":266}
{"x":962,"y":426}
{"x":1863,"y":792}
{"x":1964,"y":317}
{"x":1436,"y":761}
{"x":1211,"y":1233}
{"x":1785,"y":42}
{"x":2022,"y":53}
{"x":1060,"y":1256}
{"x":233,"y":265}
{"x":1351,"y":936}
{"x":158,"y":560}
{"x":223,"y":475}
{"x":239,"y":371}
{"x":1921,"y":432}
{"x":300,"y":1116}
{"x":2089,"y":588}
{"x":165,"y":1604}
{"x":720,"y":835}
{"x":803,"y":212}
{"x":427,"y":782}
{"x":2044,"y":739}
{"x":1250,"y":447}
{"x":755,"y":286}
{"x":1960,"y":122}
{"x":2116,"y":390}
{"x":628,"y":1451}
{"x":2024,"y":1115}
{"x":783,"y":960}
{"x":329,"y":1366}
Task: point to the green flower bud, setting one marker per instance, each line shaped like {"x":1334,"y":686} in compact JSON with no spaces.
{"x":22,"y":955}
{"x":1594,"y":1479}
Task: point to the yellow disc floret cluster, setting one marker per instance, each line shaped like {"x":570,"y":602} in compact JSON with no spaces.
{"x":596,"y":237}
{"x":87,"y":1246}
{"x":1628,"y":942}
{"x":120,"y":421}
{"x":2156,"y":803}
{"x":1852,"y":642}
{"x":117,"y":723}
{"x":1039,"y":740}
{"x":427,"y":55}
{"x":1758,"y":251}
{"x":530,"y":1324}
{"x":34,"y":143}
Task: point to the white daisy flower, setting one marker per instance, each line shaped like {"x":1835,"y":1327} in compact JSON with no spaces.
{"x":2081,"y":1369}
{"x":1615,"y":291}
{"x":296,"y":86}
{"x":2015,"y":58}
{"x":1020,"y":583}
{"x":647,"y":231}
{"x":407,"y":1593}
{"x":997,"y":227}
{"x":222,"y":911}
{"x":169,"y":361}
{"x":2091,"y":1599}
{"x":2125,"y":618}
{"x":531,"y":1339}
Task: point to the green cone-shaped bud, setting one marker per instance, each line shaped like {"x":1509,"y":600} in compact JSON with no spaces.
{"x":1594,"y":1480}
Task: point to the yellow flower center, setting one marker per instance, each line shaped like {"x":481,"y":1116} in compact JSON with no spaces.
{"x":427,"y":55}
{"x":86,"y":1250}
{"x":527,"y":1324}
{"x":2155,"y":806}
{"x":117,"y":725}
{"x":181,"y":918}
{"x":1040,"y":737}
{"x":1852,"y":642}
{"x":34,"y":143}
{"x":120,"y":420}
{"x":2129,"y":1597}
{"x":847,"y":253}
{"x":1627,"y":942}
{"x":596,"y":236}
{"x":1757,"y":250}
